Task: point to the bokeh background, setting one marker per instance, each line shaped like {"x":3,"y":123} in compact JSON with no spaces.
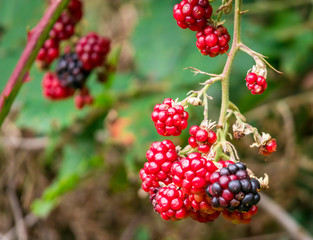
{"x":70,"y":174}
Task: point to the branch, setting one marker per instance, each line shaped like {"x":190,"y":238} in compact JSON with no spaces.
{"x":29,"y":55}
{"x":17,"y":213}
{"x":285,"y":220}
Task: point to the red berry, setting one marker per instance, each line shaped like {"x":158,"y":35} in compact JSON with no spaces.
{"x":75,"y":10}
{"x":83,"y":98}
{"x":92,"y":50}
{"x":160,"y":156}
{"x":172,"y":203}
{"x":204,"y":217}
{"x":192,"y":14}
{"x":213,"y":41}
{"x":201,"y":139}
{"x":53,"y":90}
{"x":271,"y":146}
{"x":169,"y":118}
{"x":63,"y":28}
{"x":193,"y":173}
{"x":48,"y":52}
{"x":255,"y":83}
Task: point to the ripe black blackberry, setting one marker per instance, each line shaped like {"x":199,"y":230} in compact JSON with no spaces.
{"x":70,"y":71}
{"x":231,"y":188}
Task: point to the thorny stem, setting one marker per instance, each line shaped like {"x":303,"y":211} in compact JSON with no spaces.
{"x":28,"y":56}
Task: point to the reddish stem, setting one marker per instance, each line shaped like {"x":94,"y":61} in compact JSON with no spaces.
{"x":20,"y":73}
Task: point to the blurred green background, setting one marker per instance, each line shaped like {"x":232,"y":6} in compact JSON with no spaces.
{"x":74,"y":173}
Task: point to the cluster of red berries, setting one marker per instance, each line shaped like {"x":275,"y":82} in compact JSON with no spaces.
{"x":195,"y":15}
{"x":73,"y":67}
{"x":256,"y":83}
{"x":201,"y":138}
{"x":178,"y":187}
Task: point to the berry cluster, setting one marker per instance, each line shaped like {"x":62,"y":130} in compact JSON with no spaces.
{"x":212,"y":39}
{"x":63,"y":29}
{"x":73,"y":67}
{"x":198,"y":187}
{"x":256,"y":83}
{"x":169,"y":118}
{"x":192,"y":14}
{"x":231,"y":188}
{"x":201,"y":139}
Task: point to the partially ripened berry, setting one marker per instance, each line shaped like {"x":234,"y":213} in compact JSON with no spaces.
{"x":240,"y":217}
{"x":169,"y":118}
{"x":204,"y":217}
{"x":63,"y":28}
{"x":255,"y":83}
{"x":47,"y":53}
{"x":201,"y":203}
{"x":70,"y":71}
{"x":201,"y":139}
{"x":193,"y":173}
{"x":192,"y":14}
{"x":231,"y":188}
{"x":213,"y":41}
{"x":92,"y":50}
{"x":160,"y":156}
{"x":172,"y":203}
{"x":269,"y":147}
{"x":53,"y":90}
{"x":75,"y":10}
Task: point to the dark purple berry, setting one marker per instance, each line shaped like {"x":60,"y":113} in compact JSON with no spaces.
{"x":234,"y":186}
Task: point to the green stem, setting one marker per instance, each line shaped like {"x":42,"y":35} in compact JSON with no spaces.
{"x":226,"y":74}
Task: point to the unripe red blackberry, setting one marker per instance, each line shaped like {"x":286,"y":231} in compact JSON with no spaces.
{"x":63,"y":28}
{"x":231,"y":188}
{"x":213,"y":41}
{"x":269,"y":147}
{"x":256,"y":83}
{"x":193,"y":173}
{"x":75,"y":10}
{"x":192,"y":14}
{"x":240,"y":217}
{"x":201,"y":139}
{"x":172,"y":203}
{"x":47,"y":53}
{"x":70,"y":71}
{"x":53,"y":90}
{"x":83,"y":98}
{"x":160,"y":156}
{"x":169,"y":118}
{"x":204,"y":217}
{"x":92,"y":50}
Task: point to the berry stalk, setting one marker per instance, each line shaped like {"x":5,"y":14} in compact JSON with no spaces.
{"x":222,"y":123}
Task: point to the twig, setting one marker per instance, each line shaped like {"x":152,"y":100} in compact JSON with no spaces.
{"x":28,"y":56}
{"x":30,"y":220}
{"x":285,"y":220}
{"x":31,"y":144}
{"x":17,"y":213}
